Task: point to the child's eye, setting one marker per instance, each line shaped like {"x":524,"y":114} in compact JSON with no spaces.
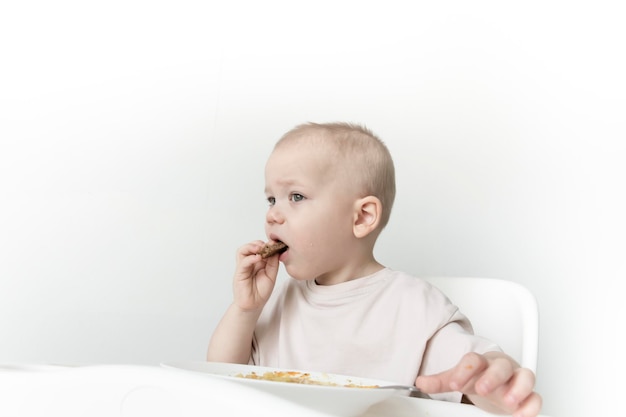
{"x":271,"y":200}
{"x":297,"y":197}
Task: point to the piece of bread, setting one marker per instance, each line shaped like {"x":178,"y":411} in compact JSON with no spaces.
{"x":271,"y":249}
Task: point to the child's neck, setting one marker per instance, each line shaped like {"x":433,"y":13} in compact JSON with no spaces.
{"x":349,"y":274}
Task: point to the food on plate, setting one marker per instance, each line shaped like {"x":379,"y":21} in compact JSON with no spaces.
{"x":298,"y":378}
{"x":270,"y":249}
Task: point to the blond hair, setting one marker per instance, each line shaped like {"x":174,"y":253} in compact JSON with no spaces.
{"x":359,"y":151}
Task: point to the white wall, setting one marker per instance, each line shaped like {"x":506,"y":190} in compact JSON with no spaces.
{"x":133,"y":137}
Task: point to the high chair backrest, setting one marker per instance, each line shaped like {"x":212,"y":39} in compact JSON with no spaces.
{"x":503,"y":311}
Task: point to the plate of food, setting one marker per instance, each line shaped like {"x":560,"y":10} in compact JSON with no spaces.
{"x":338,"y":395}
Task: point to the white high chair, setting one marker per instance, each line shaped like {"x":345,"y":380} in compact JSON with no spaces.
{"x":503,"y":311}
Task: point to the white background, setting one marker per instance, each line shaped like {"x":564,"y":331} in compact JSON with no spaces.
{"x":133,"y":136}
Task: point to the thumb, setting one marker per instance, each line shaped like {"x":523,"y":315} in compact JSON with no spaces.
{"x":436,"y":383}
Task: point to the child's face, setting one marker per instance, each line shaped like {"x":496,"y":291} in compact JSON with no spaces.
{"x":311,"y":210}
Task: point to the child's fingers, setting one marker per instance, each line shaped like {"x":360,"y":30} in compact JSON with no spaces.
{"x":247,"y":261}
{"x":520,"y":386}
{"x":494,"y":377}
{"x":498,"y":373}
{"x":531,"y":406}
{"x":432,"y":384}
{"x":464,"y":374}
{"x":454,"y":379}
{"x":250,"y":248}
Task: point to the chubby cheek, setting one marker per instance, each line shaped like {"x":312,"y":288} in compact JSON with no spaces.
{"x":305,"y":260}
{"x":307,"y":236}
{"x":314,"y":243}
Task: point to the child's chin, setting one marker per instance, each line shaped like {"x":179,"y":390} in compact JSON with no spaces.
{"x":297,"y":274}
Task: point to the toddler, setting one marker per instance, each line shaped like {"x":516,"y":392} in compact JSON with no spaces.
{"x":330,"y":189}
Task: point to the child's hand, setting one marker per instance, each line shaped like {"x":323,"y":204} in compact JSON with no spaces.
{"x":493,"y":382}
{"x":254,"y":278}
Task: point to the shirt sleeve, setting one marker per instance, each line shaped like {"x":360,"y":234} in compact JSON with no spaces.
{"x":448,"y":345}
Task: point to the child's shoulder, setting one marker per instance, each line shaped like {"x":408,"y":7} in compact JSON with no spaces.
{"x":413,"y":285}
{"x":406,"y":279}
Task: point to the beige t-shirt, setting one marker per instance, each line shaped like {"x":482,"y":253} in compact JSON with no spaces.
{"x":389,"y":326}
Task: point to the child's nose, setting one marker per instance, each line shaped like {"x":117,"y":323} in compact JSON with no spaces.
{"x":274,"y":215}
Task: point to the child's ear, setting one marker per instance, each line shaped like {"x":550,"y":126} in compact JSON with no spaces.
{"x":367,"y":213}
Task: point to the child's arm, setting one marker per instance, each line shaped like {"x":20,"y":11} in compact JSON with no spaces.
{"x":492,"y":381}
{"x":253,"y":284}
